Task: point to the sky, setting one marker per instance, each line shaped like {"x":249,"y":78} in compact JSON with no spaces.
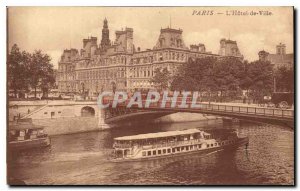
{"x":53,"y":29}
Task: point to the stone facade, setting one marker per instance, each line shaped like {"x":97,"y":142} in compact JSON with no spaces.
{"x":119,"y":65}
{"x":281,"y":58}
{"x":229,"y":48}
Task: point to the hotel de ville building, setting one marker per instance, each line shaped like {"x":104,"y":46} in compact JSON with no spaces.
{"x":119,"y":65}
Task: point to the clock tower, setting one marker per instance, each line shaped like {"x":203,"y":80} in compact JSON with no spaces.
{"x":105,"y":42}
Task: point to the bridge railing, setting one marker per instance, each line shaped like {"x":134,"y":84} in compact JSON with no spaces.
{"x":264,"y":111}
{"x":249,"y":110}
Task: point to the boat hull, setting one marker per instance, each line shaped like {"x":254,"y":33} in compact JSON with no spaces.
{"x":240,"y":142}
{"x":29,"y":144}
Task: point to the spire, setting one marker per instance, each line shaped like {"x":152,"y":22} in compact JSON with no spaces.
{"x":105,"y":23}
{"x":105,"y":42}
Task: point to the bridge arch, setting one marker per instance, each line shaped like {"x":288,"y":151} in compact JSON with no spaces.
{"x":87,"y":111}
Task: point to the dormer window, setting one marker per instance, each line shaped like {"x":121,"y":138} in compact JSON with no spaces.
{"x":172,"y":42}
{"x":161,"y":42}
{"x":178,"y":43}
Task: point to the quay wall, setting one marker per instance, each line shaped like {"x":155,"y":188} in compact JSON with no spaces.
{"x":65,"y":117}
{"x":58,"y":126}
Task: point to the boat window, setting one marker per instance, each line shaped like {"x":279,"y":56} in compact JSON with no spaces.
{"x":216,"y":144}
{"x":191,"y":147}
{"x":126,"y":152}
{"x":182,"y":148}
{"x":207,"y":146}
{"x":187,"y":148}
{"x":149,"y":153}
{"x":159,"y":152}
{"x":164,"y":151}
{"x":199,"y":146}
{"x":169,"y":150}
{"x":144,"y":153}
{"x":178,"y":149}
{"x":212,"y":145}
{"x":154,"y":152}
{"x":173,"y":150}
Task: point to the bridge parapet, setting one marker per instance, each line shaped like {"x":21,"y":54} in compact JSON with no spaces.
{"x":269,"y":115}
{"x":276,"y":112}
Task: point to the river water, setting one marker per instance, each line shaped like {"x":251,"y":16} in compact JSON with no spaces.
{"x":82,"y":159}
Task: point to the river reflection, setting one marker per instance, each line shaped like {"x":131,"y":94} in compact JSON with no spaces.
{"x":83,"y":159}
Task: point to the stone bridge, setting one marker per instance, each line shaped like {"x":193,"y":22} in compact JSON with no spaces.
{"x":110,"y":116}
{"x":284,"y":117}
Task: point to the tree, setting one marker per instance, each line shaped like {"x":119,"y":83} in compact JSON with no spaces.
{"x":225,"y":77}
{"x":42,"y":73}
{"x":17,"y":63}
{"x":211,"y":75}
{"x":161,"y":78}
{"x":195,"y":75}
{"x":261,"y":74}
{"x":284,"y":79}
{"x":27,"y":70}
{"x":246,"y":80}
{"x":228,"y":74}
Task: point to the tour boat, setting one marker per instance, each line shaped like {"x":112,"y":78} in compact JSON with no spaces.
{"x":27,"y":136}
{"x":172,"y":143}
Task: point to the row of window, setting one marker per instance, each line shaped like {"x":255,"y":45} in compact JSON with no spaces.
{"x":173,"y":150}
{"x":52,"y":112}
{"x":143,"y":73}
{"x":162,"y":56}
{"x":105,"y":61}
{"x":182,"y":148}
{"x":101,"y":74}
{"x":141,"y":84}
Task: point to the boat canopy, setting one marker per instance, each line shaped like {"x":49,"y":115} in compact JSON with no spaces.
{"x":157,"y":135}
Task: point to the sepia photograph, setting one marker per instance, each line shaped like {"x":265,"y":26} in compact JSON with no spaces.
{"x":150,"y":96}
